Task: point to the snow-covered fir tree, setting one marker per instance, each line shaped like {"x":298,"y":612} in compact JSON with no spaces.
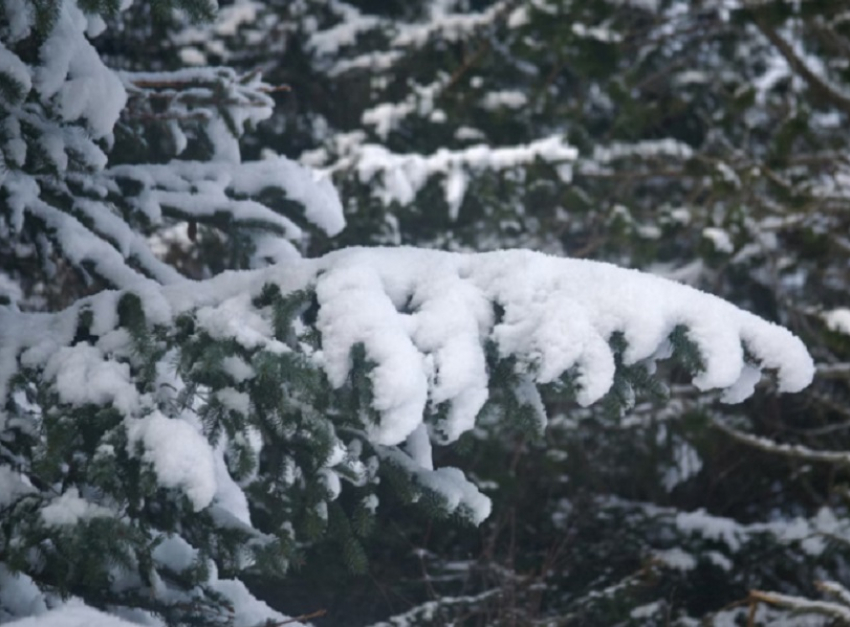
{"x":171,"y":429}
{"x":707,"y":148}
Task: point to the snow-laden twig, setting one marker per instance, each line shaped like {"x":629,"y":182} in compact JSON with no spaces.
{"x":429,"y":609}
{"x":802,"y":605}
{"x":796,"y":451}
{"x":835,"y":589}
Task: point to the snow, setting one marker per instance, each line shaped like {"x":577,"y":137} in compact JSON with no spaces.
{"x":837,"y":320}
{"x":72,"y":71}
{"x":175,"y":553}
{"x":418,"y":446}
{"x":373,"y":61}
{"x":235,"y":318}
{"x":598,"y":33}
{"x":719,"y":238}
{"x":647,"y":611}
{"x":687,"y":464}
{"x":511,"y":99}
{"x":13,"y":485}
{"x":645,"y":149}
{"x":559,"y":313}
{"x":712,"y":527}
{"x":17,"y":70}
{"x":744,"y":387}
{"x":247,"y":610}
{"x":518,"y":17}
{"x":230,"y":502}
{"x":355,"y":310}
{"x":398,"y":177}
{"x":82,"y":376}
{"x":387,"y":116}
{"x":73,"y":614}
{"x":20,"y":16}
{"x":456,"y":493}
{"x":234,"y":400}
{"x":331,"y":482}
{"x":450,"y":26}
{"x":720,"y":560}
{"x":180,"y":455}
{"x":69,"y":509}
{"x":192,"y":56}
{"x":676,"y":558}
{"x":353,"y":22}
{"x":19,"y":596}
{"x":215,"y":184}
{"x":425,"y":319}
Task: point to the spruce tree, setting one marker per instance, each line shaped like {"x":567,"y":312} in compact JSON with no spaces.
{"x":707,"y":148}
{"x":169,"y":427}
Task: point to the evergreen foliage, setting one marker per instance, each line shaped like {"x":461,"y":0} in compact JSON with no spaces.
{"x":170,"y":429}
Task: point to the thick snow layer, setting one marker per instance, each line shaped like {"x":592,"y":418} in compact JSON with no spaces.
{"x":82,"y":376}
{"x":424,"y":318}
{"x":73,"y":72}
{"x":181,"y":457}
{"x":557,"y":314}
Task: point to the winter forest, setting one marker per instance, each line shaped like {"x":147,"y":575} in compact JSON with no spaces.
{"x":360,"y":313}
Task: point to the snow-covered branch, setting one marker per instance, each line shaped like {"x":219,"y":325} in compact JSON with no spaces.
{"x":796,"y":451}
{"x":803,"y":605}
